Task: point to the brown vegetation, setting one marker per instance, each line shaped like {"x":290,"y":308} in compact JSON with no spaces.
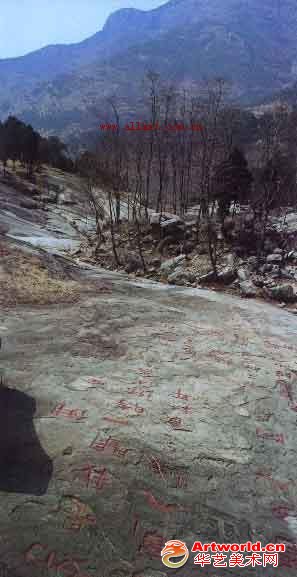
{"x":24,"y":280}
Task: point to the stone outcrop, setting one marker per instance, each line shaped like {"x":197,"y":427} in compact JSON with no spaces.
{"x":168,"y":266}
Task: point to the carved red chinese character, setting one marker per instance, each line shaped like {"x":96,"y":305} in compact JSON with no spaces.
{"x":110,"y":445}
{"x":72,"y":414}
{"x":153,"y":544}
{"x":146,"y":372}
{"x":278,"y":438}
{"x":125,"y":406}
{"x":122,"y":404}
{"x":183,"y":396}
{"x":94,"y":477}
{"x":285,"y":390}
{"x":175,"y":422}
{"x":155,"y":504}
{"x":95,"y":381}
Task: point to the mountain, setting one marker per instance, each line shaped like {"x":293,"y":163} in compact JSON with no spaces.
{"x":63,"y":89}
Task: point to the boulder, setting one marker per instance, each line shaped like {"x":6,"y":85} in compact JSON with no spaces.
{"x":188,"y":246}
{"x":170,"y":216}
{"x":166,"y":224}
{"x":289,"y":272}
{"x":258,"y":281}
{"x":181,"y":277}
{"x":155,"y":262}
{"x":227,"y":275}
{"x":243,"y":273}
{"x":274,"y":258}
{"x":57,"y":188}
{"x":247,"y":289}
{"x":29,"y":189}
{"x":173,"y":227}
{"x":30,"y":204}
{"x":283,"y":293}
{"x":292,"y":255}
{"x":66,"y":198}
{"x":168,"y":266}
{"x":50,"y":197}
{"x":148,"y":239}
{"x":266,"y":268}
{"x":253,"y":261}
{"x":230,"y":260}
{"x":133,"y":263}
{"x":155,"y":218}
{"x":208,"y":278}
{"x":164,"y":243}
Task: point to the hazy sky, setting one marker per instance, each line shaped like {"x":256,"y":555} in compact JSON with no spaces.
{"x":26,"y":25}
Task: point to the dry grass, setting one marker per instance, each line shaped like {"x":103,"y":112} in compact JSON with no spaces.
{"x":24,"y":279}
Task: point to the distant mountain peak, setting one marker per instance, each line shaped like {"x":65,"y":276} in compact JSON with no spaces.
{"x":122,"y":17}
{"x":252,"y":44}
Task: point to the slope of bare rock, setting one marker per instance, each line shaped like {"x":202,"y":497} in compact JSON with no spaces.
{"x":138,"y":413}
{"x":141,"y":414}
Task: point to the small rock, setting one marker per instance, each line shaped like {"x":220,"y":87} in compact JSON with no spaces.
{"x":248,"y":289}
{"x":258,"y":281}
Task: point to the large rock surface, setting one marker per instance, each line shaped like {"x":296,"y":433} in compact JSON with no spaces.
{"x":139,"y":415}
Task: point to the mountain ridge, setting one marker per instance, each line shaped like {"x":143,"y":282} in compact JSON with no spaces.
{"x":253,"y":46}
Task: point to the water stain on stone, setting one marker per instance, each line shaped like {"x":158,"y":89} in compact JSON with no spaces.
{"x":24,"y":465}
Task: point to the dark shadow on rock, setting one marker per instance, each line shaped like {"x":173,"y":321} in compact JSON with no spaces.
{"x":24,"y":465}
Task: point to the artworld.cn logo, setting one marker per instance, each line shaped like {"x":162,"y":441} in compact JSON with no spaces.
{"x":172,"y":550}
